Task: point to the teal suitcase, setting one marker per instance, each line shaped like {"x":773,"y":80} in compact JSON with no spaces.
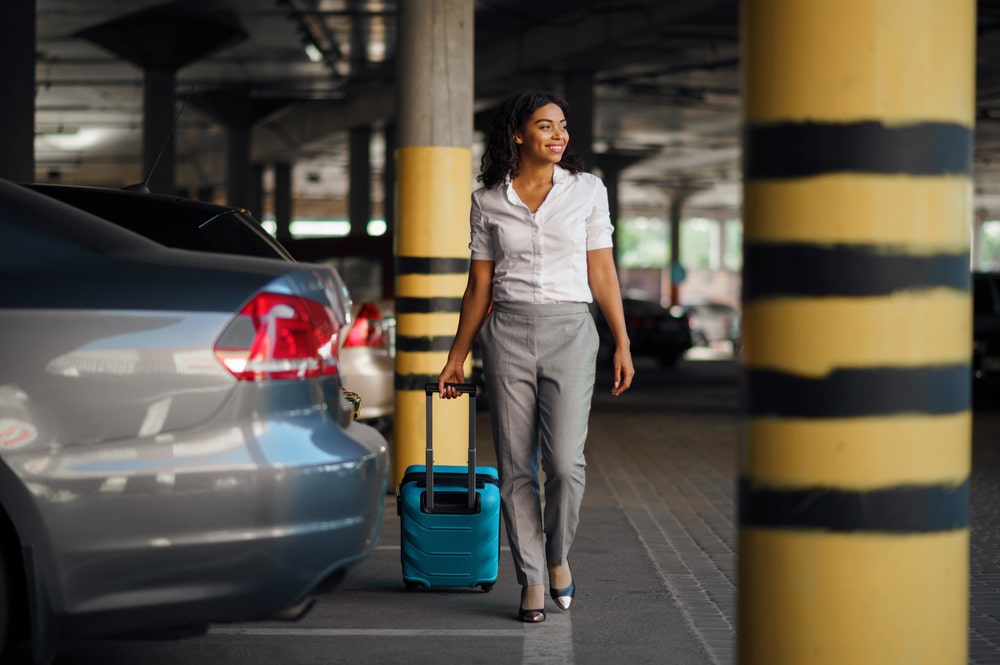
{"x":449,"y":516}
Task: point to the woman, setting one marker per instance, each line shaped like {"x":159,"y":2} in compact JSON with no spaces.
{"x":541,"y":253}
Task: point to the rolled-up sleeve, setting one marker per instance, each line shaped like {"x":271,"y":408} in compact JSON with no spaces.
{"x":599,"y":230}
{"x":481,"y":240}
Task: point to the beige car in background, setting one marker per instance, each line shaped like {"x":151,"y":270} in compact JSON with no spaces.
{"x":367,"y":358}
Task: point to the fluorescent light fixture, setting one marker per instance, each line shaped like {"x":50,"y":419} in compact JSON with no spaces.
{"x":324,"y":228}
{"x":320,"y":228}
{"x":81,"y":140}
{"x":313,"y":52}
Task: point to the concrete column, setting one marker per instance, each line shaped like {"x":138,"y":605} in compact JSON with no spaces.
{"x":389,"y":178}
{"x":360,"y":191}
{"x":359,"y":37}
{"x":677,"y":272}
{"x":580,"y":98}
{"x":612,"y":180}
{"x":721,"y":246}
{"x":238,"y":110}
{"x":434,"y":167}
{"x":162,"y":39}
{"x":854,"y":485}
{"x":238,"y":170}
{"x":283,"y":201}
{"x":674,"y":247}
{"x":17,"y":70}
{"x":159,"y":154}
{"x":255,"y":198}
{"x":717,"y":257}
{"x":976,"y":252}
{"x":389,"y":206}
{"x":612,"y":163}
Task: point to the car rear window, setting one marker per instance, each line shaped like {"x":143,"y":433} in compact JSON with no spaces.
{"x":36,"y":227}
{"x":174,"y":221}
{"x":236,"y":233}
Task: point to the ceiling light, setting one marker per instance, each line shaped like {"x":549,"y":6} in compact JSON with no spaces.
{"x":313,"y":52}
{"x":81,"y":140}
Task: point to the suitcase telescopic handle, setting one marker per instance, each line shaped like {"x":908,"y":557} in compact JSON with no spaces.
{"x":469,"y":389}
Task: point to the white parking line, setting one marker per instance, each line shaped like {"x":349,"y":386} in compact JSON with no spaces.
{"x":367,"y":632}
{"x":548,"y":644}
{"x":395,"y":548}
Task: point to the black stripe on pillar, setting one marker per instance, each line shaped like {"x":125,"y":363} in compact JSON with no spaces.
{"x":428,"y":305}
{"x":904,"y":509}
{"x":853,"y":393}
{"x":796,"y":150}
{"x":416,"y":344}
{"x":798,"y":269}
{"x":430,"y":265}
{"x":414,"y":381}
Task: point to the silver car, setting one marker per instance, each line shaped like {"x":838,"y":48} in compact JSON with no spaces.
{"x":367,"y":353}
{"x":175,"y":448}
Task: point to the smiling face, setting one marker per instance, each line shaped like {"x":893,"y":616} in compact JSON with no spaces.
{"x":544,"y":136}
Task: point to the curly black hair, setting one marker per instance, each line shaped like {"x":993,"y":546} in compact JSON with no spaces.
{"x":500,"y":158}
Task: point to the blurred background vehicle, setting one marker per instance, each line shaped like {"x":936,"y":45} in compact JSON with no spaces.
{"x":713,"y":322}
{"x":367,"y":357}
{"x":368,"y":354}
{"x":654,"y":330}
{"x":175,"y":447}
{"x":986,"y":326}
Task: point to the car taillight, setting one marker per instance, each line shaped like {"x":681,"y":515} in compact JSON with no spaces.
{"x":367,"y":328}
{"x":279,"y":336}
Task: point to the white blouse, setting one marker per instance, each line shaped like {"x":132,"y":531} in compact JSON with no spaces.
{"x":541,"y":257}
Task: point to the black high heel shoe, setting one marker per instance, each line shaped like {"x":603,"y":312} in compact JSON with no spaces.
{"x":529,"y":616}
{"x":564,"y":597}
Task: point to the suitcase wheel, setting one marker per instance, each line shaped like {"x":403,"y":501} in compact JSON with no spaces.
{"x":486,"y":587}
{"x":414,"y":586}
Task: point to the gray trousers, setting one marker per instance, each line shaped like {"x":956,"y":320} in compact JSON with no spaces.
{"x":539,"y":363}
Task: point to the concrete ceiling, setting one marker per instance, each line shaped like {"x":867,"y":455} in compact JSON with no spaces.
{"x":666,"y":86}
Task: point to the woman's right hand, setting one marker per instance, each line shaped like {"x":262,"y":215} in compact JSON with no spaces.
{"x":451,"y":374}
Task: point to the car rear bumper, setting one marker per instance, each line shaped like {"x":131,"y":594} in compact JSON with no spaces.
{"x":221,"y":524}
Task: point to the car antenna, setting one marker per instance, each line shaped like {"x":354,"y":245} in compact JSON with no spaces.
{"x":144,"y":185}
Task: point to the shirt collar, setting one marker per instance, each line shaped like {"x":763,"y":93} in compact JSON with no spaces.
{"x":559,"y":177}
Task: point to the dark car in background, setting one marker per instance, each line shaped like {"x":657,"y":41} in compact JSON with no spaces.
{"x":366,"y":356}
{"x":713,"y":322}
{"x":175,"y":447}
{"x":986,"y":327}
{"x":654,"y":330}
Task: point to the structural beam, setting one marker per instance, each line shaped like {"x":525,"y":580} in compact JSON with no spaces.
{"x":501,"y":64}
{"x":17,"y":111}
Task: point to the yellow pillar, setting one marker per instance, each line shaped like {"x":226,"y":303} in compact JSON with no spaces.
{"x":434,"y":185}
{"x":853,"y":507}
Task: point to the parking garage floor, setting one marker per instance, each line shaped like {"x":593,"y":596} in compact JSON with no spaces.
{"x":654,"y":561}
